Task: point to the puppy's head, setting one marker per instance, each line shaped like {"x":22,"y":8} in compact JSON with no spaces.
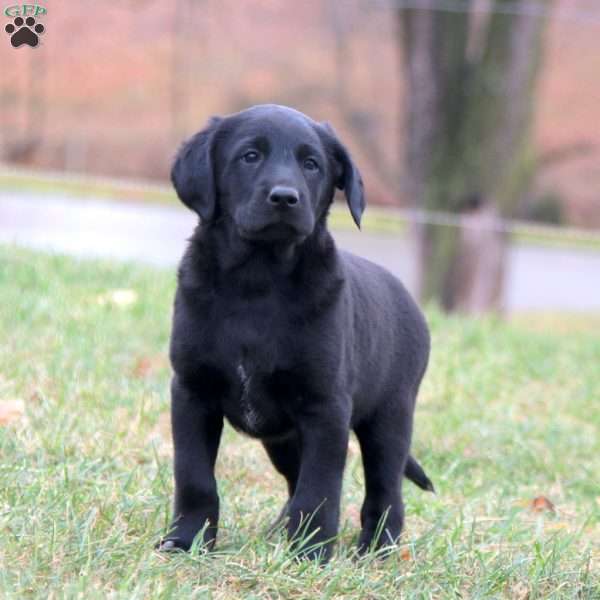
{"x":270,"y":171}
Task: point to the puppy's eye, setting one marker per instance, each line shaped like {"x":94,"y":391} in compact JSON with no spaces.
{"x":310,"y":164}
{"x":251,"y":156}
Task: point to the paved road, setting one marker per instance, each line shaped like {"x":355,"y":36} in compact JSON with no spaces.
{"x":538,"y":278}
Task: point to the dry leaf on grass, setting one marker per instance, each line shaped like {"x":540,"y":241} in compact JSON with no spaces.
{"x":119,"y":297}
{"x":11,"y":410}
{"x":146,"y":366}
{"x":405,"y":553}
{"x":542,"y":504}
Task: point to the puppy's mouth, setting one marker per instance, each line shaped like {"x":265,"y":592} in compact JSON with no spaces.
{"x":272,"y":232}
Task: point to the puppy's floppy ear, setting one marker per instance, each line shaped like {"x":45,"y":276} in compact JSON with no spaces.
{"x":192,"y":173}
{"x":347,"y":177}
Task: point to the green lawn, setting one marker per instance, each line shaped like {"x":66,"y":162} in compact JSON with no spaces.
{"x":509,"y":412}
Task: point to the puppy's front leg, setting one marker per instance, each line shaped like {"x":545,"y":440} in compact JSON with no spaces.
{"x":196,"y":433}
{"x":314,"y":510}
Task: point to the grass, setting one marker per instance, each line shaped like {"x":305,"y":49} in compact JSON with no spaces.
{"x":508,"y":413}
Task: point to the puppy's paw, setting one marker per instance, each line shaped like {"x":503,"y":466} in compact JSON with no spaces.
{"x":170,"y":544}
{"x":185,"y":536}
{"x":382,"y":541}
{"x":311,"y":540}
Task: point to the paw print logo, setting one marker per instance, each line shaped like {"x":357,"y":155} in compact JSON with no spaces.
{"x":24,"y":32}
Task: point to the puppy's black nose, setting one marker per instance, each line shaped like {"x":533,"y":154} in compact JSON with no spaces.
{"x":283,"y":196}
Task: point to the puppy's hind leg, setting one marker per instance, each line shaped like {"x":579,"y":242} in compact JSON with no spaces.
{"x":384,"y":440}
{"x":285,"y":456}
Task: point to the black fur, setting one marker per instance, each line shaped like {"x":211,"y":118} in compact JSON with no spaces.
{"x":293,"y":341}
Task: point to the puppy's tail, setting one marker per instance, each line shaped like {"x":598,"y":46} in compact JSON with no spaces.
{"x":415,"y":473}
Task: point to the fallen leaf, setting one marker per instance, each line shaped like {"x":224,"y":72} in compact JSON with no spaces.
{"x":146,"y":366}
{"x":11,"y":410}
{"x":405,"y":553}
{"x":119,"y":297}
{"x":541,"y":504}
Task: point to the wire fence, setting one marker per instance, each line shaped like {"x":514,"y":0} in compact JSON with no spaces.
{"x":500,"y":225}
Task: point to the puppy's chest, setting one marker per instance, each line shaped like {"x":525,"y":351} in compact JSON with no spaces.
{"x":256,"y":354}
{"x":250,"y":406}
{"x":251,"y":338}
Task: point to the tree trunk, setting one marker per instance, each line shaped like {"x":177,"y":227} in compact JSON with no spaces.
{"x":468,"y":151}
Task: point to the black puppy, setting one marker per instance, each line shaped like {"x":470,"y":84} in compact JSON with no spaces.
{"x":292,"y":340}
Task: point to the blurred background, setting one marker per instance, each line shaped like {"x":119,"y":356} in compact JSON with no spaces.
{"x":475,"y":123}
